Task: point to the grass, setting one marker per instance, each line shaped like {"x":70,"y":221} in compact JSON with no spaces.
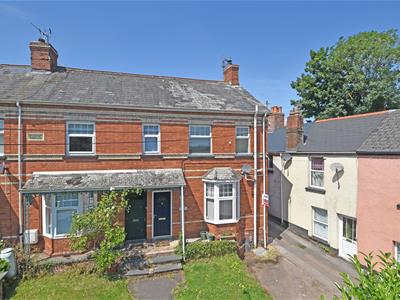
{"x":271,"y":256}
{"x":219,"y":278}
{"x":71,"y":285}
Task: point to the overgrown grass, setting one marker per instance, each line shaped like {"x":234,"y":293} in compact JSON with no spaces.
{"x":219,"y":278}
{"x":71,"y":285}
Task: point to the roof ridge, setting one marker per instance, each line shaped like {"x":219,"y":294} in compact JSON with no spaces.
{"x":125,"y":73}
{"x":354,"y":116}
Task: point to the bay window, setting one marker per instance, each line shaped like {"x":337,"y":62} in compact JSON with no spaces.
{"x":199,"y":139}
{"x":317,"y":172}
{"x":222,"y":202}
{"x":80,"y":138}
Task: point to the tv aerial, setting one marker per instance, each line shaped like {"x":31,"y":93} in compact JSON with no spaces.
{"x":44,"y":33}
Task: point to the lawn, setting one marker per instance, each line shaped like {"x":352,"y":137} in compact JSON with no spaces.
{"x":219,"y":278}
{"x":71,"y":285}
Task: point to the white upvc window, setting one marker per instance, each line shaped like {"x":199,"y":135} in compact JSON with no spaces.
{"x":151,"y":138}
{"x":242,"y":140}
{"x":199,"y":139}
{"x":317,"y":172}
{"x":320,"y":223}
{"x":1,"y":137}
{"x":81,"y":138}
{"x":397,"y":251}
{"x":58,"y":210}
{"x":221,"y":202}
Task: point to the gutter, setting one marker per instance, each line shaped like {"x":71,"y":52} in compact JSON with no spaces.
{"x":19,"y":174}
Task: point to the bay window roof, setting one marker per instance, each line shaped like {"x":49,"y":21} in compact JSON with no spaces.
{"x":222,"y":174}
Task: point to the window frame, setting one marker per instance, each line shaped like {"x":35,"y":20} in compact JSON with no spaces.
{"x":317,"y":171}
{"x":53,"y":214}
{"x":200,"y":137}
{"x":242,"y":138}
{"x":158,"y":136}
{"x":397,"y":251}
{"x":93,"y":136}
{"x":314,"y":209}
{"x":2,"y":153}
{"x":235,"y":198}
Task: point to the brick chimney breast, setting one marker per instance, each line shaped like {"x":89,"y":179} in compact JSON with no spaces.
{"x":294,"y":130}
{"x":43,"y":56}
{"x":231,"y":74}
{"x":276,"y":119}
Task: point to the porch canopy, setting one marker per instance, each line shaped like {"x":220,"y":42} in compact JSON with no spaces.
{"x":102,"y":180}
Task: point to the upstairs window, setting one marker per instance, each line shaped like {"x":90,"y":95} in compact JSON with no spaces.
{"x":199,"y":139}
{"x":222,"y":202}
{"x":242,"y":140}
{"x":1,"y":137}
{"x":270,"y":162}
{"x":81,"y":138}
{"x":317,"y":172}
{"x":151,"y":139}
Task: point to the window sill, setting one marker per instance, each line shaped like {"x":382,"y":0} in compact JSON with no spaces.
{"x":200,"y":155}
{"x":223,"y":222}
{"x":79,"y":155}
{"x":56,"y":237}
{"x":315,"y":190}
{"x":243,"y":154}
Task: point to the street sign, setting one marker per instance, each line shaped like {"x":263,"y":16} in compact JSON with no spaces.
{"x":265,"y":200}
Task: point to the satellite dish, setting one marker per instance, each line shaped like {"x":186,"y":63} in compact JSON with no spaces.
{"x":246,"y":169}
{"x":286,"y":157}
{"x":336,"y":167}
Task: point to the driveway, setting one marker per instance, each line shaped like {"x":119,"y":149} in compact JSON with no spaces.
{"x":304,"y":270}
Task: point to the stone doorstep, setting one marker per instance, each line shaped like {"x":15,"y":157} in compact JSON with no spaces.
{"x":138,"y":272}
{"x":159,"y":252}
{"x":164,"y":259}
{"x":168,"y":268}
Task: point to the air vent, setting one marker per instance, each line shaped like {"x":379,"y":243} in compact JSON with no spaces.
{"x":36,"y":136}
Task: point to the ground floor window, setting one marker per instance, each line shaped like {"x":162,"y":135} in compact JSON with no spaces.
{"x":222,"y":202}
{"x":320,"y":223}
{"x":349,"y":229}
{"x":59,"y":208}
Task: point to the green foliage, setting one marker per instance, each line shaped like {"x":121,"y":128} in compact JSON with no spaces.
{"x":224,"y":277}
{"x":359,"y":74}
{"x":377,"y":280}
{"x":4,"y":265}
{"x":204,"y":249}
{"x":99,"y":229}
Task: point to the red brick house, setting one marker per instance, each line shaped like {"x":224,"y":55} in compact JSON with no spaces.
{"x":68,"y":134}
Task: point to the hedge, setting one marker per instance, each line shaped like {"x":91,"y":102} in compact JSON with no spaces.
{"x":206,"y":249}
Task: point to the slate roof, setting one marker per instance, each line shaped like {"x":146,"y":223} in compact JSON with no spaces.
{"x":368,"y":133}
{"x":88,"y":87}
{"x":222,"y":174}
{"x":102,"y":181}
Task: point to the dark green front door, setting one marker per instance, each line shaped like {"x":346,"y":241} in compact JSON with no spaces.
{"x":135,"y":217}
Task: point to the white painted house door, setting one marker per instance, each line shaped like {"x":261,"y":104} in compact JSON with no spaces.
{"x":347,"y":236}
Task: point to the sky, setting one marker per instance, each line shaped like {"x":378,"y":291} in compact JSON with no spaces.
{"x":270,"y":40}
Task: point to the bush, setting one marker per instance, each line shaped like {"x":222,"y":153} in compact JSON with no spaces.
{"x":4,"y":265}
{"x":204,"y":249}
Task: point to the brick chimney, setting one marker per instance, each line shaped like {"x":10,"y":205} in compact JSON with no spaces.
{"x":231,"y":73}
{"x":276,"y":119}
{"x":43,"y":56}
{"x":294,"y":129}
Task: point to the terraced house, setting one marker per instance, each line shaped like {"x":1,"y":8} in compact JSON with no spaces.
{"x":69,"y":134}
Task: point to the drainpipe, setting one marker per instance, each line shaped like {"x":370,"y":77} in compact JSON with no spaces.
{"x":19,"y":174}
{"x":183,"y":221}
{"x":281,"y":187}
{"x":255,"y":179}
{"x":264,"y":181}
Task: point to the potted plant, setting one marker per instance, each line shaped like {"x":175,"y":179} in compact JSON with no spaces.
{"x":210,"y":237}
{"x":203,"y":235}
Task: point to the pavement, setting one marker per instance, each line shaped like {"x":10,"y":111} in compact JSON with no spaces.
{"x":304,"y":270}
{"x":155,"y":288}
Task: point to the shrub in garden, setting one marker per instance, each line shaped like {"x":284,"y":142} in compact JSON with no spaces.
{"x":4,"y":265}
{"x":99,"y":229}
{"x":204,"y":249}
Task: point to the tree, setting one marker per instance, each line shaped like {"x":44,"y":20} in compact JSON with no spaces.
{"x":376,"y":280}
{"x":359,"y":74}
{"x":99,"y":229}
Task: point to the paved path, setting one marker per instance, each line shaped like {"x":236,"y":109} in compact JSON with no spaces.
{"x":155,"y":288}
{"x":304,"y":271}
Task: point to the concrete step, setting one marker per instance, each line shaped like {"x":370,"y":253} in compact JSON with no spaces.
{"x":159,"y":252}
{"x":167,"y":268}
{"x":164,"y":259}
{"x":138,"y":272}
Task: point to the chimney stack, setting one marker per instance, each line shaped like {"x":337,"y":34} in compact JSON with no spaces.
{"x":276,"y":119}
{"x":294,"y":129}
{"x":231,"y":73}
{"x":43,"y":56}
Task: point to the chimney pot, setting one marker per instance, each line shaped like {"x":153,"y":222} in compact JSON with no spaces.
{"x":43,"y":56}
{"x":231,"y":73}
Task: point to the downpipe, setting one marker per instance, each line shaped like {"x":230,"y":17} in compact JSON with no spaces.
{"x":255,"y":180}
{"x":20,"y":204}
{"x":264,"y":149}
